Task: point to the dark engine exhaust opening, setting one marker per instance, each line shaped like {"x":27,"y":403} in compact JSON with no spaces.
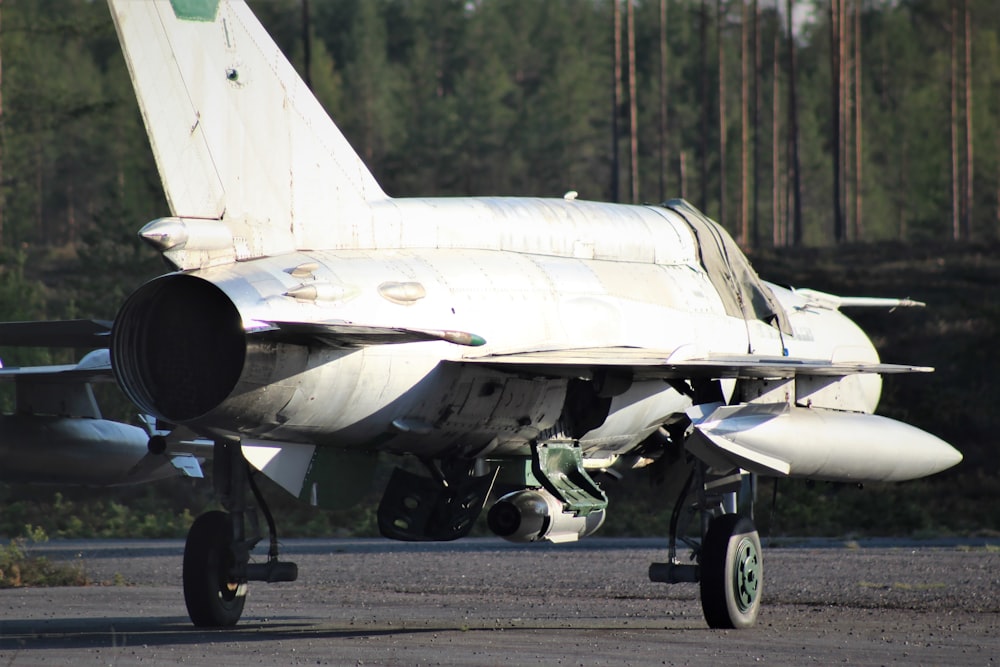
{"x":178,"y":347}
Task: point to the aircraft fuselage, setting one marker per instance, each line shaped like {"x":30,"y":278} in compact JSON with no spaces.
{"x":569,"y":275}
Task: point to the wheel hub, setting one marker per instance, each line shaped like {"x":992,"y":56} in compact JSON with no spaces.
{"x":746,"y":574}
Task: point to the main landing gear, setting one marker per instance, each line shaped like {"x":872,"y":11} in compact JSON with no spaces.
{"x":217,"y":563}
{"x":728,"y":566}
{"x":731,"y":572}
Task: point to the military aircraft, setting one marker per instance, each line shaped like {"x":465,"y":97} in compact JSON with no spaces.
{"x":57,"y":418}
{"x":521,"y":349}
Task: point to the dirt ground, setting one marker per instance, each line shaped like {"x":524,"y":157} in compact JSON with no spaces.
{"x":486,"y":602}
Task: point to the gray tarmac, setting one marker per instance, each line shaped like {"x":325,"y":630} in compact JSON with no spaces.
{"x":487,"y":602}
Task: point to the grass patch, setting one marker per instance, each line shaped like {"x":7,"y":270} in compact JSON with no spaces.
{"x":986,"y":548}
{"x":19,"y":568}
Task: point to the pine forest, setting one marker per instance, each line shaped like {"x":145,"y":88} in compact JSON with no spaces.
{"x":825,"y":135}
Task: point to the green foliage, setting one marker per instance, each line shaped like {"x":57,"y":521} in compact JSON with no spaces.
{"x":513,"y":97}
{"x":80,"y":513}
{"x":165,"y":509}
{"x":18,"y":567}
{"x":500,"y":97}
{"x":21,"y":299}
{"x":952,"y":504}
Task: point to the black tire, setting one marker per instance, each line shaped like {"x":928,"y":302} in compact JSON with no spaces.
{"x":732,"y":573}
{"x":212,"y":600}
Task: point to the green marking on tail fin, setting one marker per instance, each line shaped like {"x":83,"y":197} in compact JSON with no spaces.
{"x":195,"y":10}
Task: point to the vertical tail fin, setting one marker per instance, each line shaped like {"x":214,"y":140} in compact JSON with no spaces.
{"x":237,"y":135}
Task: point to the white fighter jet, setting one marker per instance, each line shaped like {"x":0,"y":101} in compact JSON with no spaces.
{"x":520,"y":349}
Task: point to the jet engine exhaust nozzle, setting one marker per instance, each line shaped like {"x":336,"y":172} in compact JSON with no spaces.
{"x":178,"y":347}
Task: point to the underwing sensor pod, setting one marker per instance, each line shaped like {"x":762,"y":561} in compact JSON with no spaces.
{"x":532,"y":515}
{"x":312,"y":326}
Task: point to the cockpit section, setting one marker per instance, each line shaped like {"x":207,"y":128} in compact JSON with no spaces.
{"x":740,"y":288}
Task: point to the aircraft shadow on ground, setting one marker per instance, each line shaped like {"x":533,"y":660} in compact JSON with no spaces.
{"x":70,"y":633}
{"x":121,"y":632}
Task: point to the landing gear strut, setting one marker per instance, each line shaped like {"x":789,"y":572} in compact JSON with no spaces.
{"x":217,"y":552}
{"x":729,"y":566}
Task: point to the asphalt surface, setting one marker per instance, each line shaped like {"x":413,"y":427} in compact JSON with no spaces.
{"x":486,"y":602}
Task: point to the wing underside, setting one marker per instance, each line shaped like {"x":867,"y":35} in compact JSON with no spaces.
{"x":644,"y":363}
{"x":566,"y":362}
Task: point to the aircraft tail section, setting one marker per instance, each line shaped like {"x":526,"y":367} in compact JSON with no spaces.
{"x":237,"y":135}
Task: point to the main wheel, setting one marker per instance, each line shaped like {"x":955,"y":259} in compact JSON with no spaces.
{"x":732,"y":574}
{"x":212,"y":598}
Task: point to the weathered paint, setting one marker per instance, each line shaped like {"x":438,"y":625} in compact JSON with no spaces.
{"x":277,"y":220}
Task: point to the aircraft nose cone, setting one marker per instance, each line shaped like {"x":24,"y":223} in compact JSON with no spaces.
{"x":952,"y":458}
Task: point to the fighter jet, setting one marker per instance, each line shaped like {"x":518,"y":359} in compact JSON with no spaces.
{"x":57,"y":434}
{"x":520,"y":349}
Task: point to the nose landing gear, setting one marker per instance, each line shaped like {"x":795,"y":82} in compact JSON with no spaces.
{"x":213,"y":596}
{"x":217,"y":552}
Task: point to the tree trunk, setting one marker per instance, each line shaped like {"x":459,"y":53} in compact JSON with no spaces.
{"x":682,"y":175}
{"x":904,"y":185}
{"x":967,"y":213}
{"x":845,"y":116}
{"x":744,"y":125}
{"x":40,"y":225}
{"x":663,"y":101}
{"x":858,"y":148}
{"x":956,"y":230}
{"x":633,"y":107}
{"x":71,"y":221}
{"x":777,"y":234}
{"x":836,"y":85}
{"x":754,"y":220}
{"x":3,"y":206}
{"x":306,"y":45}
{"x":793,"y":131}
{"x":719,"y":18}
{"x":616,"y":96}
{"x":705,"y":105}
